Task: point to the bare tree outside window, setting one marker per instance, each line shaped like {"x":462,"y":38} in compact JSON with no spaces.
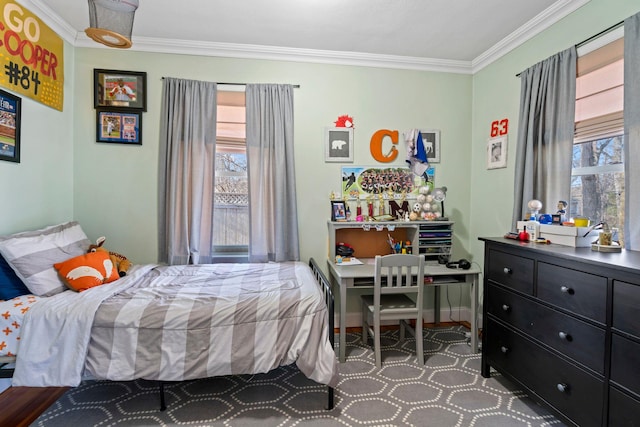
{"x":597,"y":182}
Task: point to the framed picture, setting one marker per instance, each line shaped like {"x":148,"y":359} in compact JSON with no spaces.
{"x":338,"y":210}
{"x":338,"y":145}
{"x":121,"y":89}
{"x":119,"y":127}
{"x":10,"y":127}
{"x":431,"y":141}
{"x":497,"y":152}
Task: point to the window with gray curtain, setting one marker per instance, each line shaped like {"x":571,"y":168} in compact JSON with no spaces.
{"x":187,"y":173}
{"x":545,"y":133}
{"x":546,"y":121}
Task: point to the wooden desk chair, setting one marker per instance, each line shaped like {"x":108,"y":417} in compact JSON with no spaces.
{"x":393,"y":286}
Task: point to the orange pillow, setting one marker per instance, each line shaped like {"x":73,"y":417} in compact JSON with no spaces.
{"x":88,"y":270}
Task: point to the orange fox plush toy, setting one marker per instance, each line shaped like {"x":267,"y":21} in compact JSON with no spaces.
{"x":120,"y":262}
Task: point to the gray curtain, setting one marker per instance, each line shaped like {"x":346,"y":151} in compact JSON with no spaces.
{"x":632,"y":132}
{"x":273,"y":230}
{"x":545,"y":133}
{"x":186,"y":171}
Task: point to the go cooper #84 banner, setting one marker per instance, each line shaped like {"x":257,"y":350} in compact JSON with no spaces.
{"x":31,"y":56}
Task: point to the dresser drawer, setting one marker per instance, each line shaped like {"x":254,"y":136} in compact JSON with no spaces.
{"x":512,"y":271}
{"x":576,"y":339}
{"x":581,"y":293}
{"x":626,"y":300}
{"x":624,"y":410}
{"x":625,"y":363}
{"x":562,"y":385}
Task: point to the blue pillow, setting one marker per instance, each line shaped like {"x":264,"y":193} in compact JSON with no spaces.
{"x":10,"y":285}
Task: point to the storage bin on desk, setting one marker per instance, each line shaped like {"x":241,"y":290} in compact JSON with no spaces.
{"x":569,"y":236}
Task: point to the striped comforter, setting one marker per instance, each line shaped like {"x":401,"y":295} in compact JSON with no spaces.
{"x":175,"y":323}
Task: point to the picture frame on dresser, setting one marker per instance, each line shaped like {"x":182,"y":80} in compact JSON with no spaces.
{"x":338,"y":210}
{"x":10,"y":117}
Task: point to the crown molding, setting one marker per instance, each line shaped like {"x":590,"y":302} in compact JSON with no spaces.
{"x":541,"y":22}
{"x":52,"y":19}
{"x":538,"y":24}
{"x":276,"y":53}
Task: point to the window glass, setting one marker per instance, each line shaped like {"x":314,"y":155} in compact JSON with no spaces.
{"x":231,"y":206}
{"x":597,"y":181}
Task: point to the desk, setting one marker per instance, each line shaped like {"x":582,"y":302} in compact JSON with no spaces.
{"x":361,"y":277}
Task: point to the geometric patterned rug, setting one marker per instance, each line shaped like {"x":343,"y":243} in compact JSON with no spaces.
{"x":447,"y":391}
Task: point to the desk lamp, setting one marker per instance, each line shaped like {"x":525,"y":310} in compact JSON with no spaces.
{"x":439,"y":194}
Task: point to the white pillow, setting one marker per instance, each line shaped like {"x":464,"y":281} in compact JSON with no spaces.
{"x":32,"y":254}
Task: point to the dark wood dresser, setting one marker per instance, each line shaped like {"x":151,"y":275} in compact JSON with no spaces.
{"x":564,"y":323}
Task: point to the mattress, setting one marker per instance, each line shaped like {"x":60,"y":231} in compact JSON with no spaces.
{"x":174,"y":323}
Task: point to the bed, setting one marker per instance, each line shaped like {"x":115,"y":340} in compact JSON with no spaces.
{"x":170,"y":323}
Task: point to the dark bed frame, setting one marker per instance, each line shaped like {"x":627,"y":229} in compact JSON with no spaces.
{"x":325,"y":286}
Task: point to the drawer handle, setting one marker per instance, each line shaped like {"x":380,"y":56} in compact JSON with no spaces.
{"x":563,"y":388}
{"x":504,"y":349}
{"x":505,"y":307}
{"x":507,"y":270}
{"x":566,"y":290}
{"x":564,"y":336}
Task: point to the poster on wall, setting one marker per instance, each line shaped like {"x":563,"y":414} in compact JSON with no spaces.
{"x":9,"y":127}
{"x":31,"y":56}
{"x":362,"y":182}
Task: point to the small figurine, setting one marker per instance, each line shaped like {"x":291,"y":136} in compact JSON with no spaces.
{"x":562,"y":210}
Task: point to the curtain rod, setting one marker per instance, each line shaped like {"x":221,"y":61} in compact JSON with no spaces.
{"x":595,"y":36}
{"x":242,"y":84}
{"x":601,"y":33}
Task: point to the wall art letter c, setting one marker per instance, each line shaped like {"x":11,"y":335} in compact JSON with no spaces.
{"x":375,"y":145}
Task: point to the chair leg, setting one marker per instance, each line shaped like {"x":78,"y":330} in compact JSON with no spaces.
{"x":365,"y":324}
{"x":419,"y":341}
{"x":376,"y":341}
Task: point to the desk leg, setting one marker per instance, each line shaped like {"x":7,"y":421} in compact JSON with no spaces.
{"x":436,"y":305}
{"x":343,"y":323}
{"x":474,"y":313}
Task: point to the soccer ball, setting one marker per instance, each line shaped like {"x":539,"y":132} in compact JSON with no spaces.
{"x":417,"y":207}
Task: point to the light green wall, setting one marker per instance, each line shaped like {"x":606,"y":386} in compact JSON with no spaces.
{"x":116,"y":185}
{"x":38,"y":191}
{"x":496,"y":95}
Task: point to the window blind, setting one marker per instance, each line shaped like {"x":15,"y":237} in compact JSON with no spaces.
{"x":600,"y":93}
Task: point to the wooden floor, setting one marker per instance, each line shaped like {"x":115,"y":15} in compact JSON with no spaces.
{"x":20,"y":406}
{"x":23,"y":405}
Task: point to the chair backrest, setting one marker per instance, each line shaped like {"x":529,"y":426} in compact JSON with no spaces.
{"x":398,"y":273}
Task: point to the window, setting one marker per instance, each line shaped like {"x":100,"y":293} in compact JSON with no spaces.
{"x":597,"y":173}
{"x":231,"y":205}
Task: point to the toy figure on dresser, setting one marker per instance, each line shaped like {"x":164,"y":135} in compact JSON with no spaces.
{"x":562,"y":211}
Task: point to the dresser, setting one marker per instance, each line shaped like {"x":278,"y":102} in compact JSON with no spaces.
{"x":564,"y":323}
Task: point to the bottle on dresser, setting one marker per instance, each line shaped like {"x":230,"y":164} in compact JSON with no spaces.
{"x":532,"y":227}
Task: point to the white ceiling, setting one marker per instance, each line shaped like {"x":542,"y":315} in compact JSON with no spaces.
{"x":449,"y":35}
